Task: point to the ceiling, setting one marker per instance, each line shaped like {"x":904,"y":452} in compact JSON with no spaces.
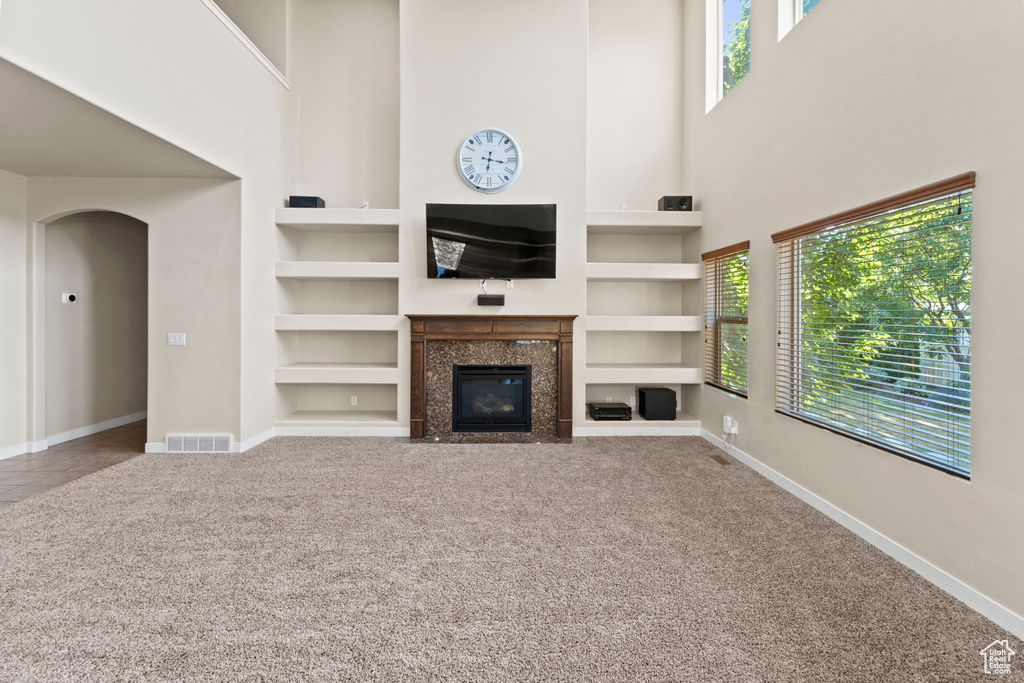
{"x":46,"y":131}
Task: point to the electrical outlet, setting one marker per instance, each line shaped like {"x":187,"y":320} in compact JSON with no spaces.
{"x":509,"y":284}
{"x":726,"y":423}
{"x":355,"y":400}
{"x":734,"y":428}
{"x":175,"y":338}
{"x":607,"y":399}
{"x":632,"y":401}
{"x":625,"y":207}
{"x":68,"y":298}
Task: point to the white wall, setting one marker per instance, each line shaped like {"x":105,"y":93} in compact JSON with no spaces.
{"x":95,"y":346}
{"x":265,"y":23}
{"x":346,"y":78}
{"x":858,"y":102}
{"x":194,"y":264}
{"x":13,"y":354}
{"x":175,"y":70}
{"x":635,"y":104}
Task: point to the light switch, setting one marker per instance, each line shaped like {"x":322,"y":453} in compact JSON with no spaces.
{"x":175,"y":338}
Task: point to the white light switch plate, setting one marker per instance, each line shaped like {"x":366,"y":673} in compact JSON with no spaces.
{"x":175,"y":338}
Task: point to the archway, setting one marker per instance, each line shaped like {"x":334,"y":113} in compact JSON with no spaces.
{"x":91,"y":299}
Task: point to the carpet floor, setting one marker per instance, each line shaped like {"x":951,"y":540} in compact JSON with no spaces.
{"x":318,"y":559}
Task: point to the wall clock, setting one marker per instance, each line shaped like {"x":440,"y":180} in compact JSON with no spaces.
{"x":489,"y":160}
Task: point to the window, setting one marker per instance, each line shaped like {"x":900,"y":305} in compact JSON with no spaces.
{"x":726,"y":290}
{"x":874,"y":324}
{"x":728,"y":33}
{"x":791,"y":12}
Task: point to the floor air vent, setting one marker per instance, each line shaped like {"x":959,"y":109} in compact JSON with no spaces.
{"x":199,"y":443}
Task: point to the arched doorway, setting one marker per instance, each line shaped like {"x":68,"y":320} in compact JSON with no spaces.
{"x":95,"y":289}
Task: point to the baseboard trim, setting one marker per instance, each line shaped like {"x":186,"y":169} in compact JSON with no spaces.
{"x":253,"y":442}
{"x":156,"y":447}
{"x":16,"y":449}
{"x":94,"y":429}
{"x":977,"y":601}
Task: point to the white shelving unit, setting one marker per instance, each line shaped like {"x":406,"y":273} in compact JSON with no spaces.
{"x":643,"y":318}
{"x":337,"y":321}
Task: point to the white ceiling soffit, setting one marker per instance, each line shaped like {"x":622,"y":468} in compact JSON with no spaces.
{"x":45,"y":131}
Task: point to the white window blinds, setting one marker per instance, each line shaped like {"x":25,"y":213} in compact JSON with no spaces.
{"x":874,"y":324}
{"x":726,"y":291}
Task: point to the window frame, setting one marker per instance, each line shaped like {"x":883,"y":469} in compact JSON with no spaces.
{"x":714,"y":320}
{"x":789,"y":364}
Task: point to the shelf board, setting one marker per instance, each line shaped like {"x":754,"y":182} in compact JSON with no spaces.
{"x":337,"y":270}
{"x":640,"y":373}
{"x":385,"y":323}
{"x":327,"y":419}
{"x":684,"y":424}
{"x":339,"y":220}
{"x":640,"y":272}
{"x":642,"y":222}
{"x":643,"y":323}
{"x":337,"y":373}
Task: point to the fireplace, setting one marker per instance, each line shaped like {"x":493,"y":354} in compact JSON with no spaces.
{"x":491,"y":398}
{"x":541,"y":343}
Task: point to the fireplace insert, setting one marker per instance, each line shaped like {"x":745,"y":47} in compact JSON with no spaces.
{"x":491,"y":398}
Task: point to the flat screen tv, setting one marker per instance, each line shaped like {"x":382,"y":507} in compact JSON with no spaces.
{"x":485,"y":241}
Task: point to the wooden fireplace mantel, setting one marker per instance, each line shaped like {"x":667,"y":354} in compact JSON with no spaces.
{"x":424,"y":328}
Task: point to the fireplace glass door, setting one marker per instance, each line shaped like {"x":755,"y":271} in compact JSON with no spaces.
{"x":491,"y":398}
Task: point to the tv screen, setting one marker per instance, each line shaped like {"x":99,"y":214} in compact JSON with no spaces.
{"x":483,"y":241}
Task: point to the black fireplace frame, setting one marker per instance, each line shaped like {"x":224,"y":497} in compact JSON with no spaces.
{"x":463,"y":425}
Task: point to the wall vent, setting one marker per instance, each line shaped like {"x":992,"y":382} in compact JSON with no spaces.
{"x":198,"y":443}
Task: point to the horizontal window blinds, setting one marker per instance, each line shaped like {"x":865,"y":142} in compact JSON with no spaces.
{"x":874,"y":324}
{"x":725,"y":318}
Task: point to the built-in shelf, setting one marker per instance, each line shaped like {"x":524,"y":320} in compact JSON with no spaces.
{"x":642,"y":222}
{"x":339,"y":220}
{"x":339,"y":322}
{"x":344,"y":419}
{"x":337,"y":373}
{"x":638,"y":272}
{"x":337,"y":270}
{"x":640,"y":373}
{"x":643,"y":323}
{"x":684,"y":424}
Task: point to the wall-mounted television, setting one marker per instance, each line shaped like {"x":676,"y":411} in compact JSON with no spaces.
{"x":485,"y":241}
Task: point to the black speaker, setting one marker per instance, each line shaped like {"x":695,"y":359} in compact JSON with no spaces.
{"x":297,"y":202}
{"x":490,"y":300}
{"x":657,"y":403}
{"x":675,"y":203}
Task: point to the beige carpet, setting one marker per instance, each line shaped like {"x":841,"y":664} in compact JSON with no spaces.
{"x":309,"y":559}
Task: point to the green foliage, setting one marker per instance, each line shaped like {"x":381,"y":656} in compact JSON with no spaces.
{"x":736,"y":57}
{"x":884,"y":311}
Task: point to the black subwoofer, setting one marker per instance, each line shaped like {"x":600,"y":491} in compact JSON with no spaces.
{"x":657,"y":403}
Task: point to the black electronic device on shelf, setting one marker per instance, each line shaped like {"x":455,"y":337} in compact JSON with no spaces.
{"x":657,"y":403}
{"x":610,"y":411}
{"x":305,"y":202}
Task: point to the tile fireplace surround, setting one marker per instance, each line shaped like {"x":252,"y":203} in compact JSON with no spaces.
{"x":440,"y":341}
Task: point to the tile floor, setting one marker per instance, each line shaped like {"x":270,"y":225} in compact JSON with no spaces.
{"x":26,"y":475}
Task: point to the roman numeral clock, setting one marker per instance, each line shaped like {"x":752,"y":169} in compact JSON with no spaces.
{"x":489,"y":160}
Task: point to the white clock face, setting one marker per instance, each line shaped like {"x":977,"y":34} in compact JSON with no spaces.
{"x":489,"y":160}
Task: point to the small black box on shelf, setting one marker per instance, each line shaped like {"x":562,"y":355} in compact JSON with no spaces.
{"x":610,"y":411}
{"x":676,"y":203}
{"x":657,"y":403}
{"x":490,"y":300}
{"x":300,"y":202}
